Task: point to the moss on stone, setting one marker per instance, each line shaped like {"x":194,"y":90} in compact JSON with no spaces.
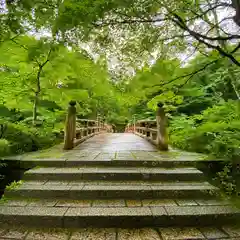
{"x":14,"y":185}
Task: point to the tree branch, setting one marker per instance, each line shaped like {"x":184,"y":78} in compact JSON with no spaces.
{"x":189,"y":74}
{"x":175,"y":36}
{"x":129,"y":21}
{"x":48,"y":57}
{"x":22,"y":46}
{"x":206,"y":11}
{"x":236,"y":48}
{"x":183,"y":26}
{"x":193,"y":33}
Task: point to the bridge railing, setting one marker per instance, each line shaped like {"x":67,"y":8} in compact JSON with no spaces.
{"x":79,"y":130}
{"x":154,"y":131}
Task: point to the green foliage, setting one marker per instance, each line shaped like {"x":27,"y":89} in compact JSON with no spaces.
{"x":204,"y":110}
{"x":226,"y":180}
{"x":215,"y":131}
{"x":4,"y":147}
{"x":179,"y":127}
{"x":18,"y":138}
{"x":58,"y":75}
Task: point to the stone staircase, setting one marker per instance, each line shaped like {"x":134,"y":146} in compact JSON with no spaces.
{"x":115,"y":193}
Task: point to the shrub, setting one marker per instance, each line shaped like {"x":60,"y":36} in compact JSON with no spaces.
{"x":4,"y":147}
{"x":39,"y":122}
{"x":21,"y":138}
{"x":216,"y":131}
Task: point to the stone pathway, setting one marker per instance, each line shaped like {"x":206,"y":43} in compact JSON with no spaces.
{"x":117,"y":142}
{"x":113,"y":182}
{"x":202,"y":233}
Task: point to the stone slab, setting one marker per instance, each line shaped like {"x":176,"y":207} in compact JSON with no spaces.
{"x":15,"y":203}
{"x":32,"y":191}
{"x":186,"y":202}
{"x":133,"y":203}
{"x":109,"y":203}
{"x":74,"y":203}
{"x":14,"y":233}
{"x":114,"y":173}
{"x":93,"y":233}
{"x":107,"y":217}
{"x":201,"y":215}
{"x":158,"y":202}
{"x":35,"y":182}
{"x":213,"y":233}
{"x":57,"y":183}
{"x":109,"y":211}
{"x":55,"y":162}
{"x":49,"y":187}
{"x":175,"y":187}
{"x":233,"y":231}
{"x":2,"y":231}
{"x":48,"y":235}
{"x":115,"y":192}
{"x":212,"y":202}
{"x":42,"y":203}
{"x":181,"y":234}
{"x":87,"y":191}
{"x":32,"y":211}
{"x":33,"y":216}
{"x":126,"y":162}
{"x":201,"y":210}
{"x":138,"y":234}
{"x":41,"y":170}
{"x":117,"y":187}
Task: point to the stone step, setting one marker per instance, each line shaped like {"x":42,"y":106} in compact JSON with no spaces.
{"x":168,"y":163}
{"x":68,"y":217}
{"x":112,"y":202}
{"x":117,"y":173}
{"x":225,"y":232}
{"x":111,"y":183}
{"x":81,"y":190}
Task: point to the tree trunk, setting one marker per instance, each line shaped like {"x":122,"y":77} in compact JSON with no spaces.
{"x":37,"y":92}
{"x":236,"y":6}
{"x":35,"y":105}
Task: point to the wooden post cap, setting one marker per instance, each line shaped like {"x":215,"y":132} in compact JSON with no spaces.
{"x":72,"y":103}
{"x":160,"y":104}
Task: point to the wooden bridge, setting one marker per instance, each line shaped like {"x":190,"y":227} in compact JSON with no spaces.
{"x":116,"y":181}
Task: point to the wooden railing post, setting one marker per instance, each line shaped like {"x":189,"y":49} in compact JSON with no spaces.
{"x":70,"y":126}
{"x":162,"y":135}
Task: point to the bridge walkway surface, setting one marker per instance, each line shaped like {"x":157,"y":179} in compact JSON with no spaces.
{"x":116,"y":187}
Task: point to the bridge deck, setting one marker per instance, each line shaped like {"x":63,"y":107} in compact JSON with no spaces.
{"x":107,"y":147}
{"x":117,"y":142}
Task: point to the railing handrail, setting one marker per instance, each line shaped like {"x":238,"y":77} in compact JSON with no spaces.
{"x":145,"y":120}
{"x":74,"y":135}
{"x":158,"y":135}
{"x":147,"y":129}
{"x":86,"y":120}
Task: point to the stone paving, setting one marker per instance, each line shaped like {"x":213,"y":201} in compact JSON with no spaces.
{"x":109,"y":147}
{"x":202,"y":233}
{"x":121,"y":178}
